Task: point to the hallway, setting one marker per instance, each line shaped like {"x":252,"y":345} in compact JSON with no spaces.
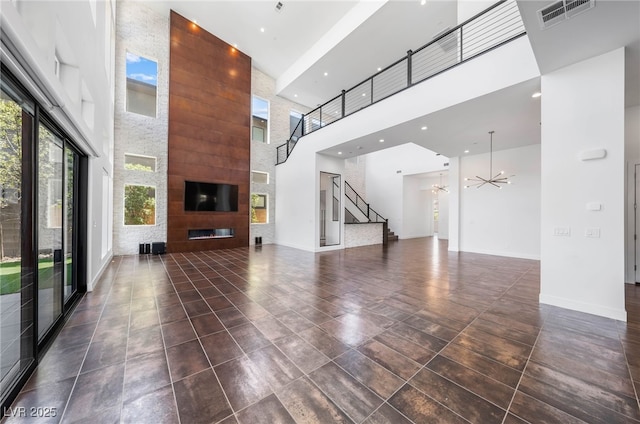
{"x":398,"y":334}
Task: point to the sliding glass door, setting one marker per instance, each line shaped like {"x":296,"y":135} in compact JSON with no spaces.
{"x":17,"y":341}
{"x":40,"y":214}
{"x":50,"y":213}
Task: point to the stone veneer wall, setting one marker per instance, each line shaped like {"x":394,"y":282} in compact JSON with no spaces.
{"x":144,"y":32}
{"x":362,"y":234}
{"x":263,"y":155}
{"x":355,"y":174}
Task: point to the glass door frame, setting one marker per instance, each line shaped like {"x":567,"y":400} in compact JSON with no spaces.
{"x":31,"y":349}
{"x":80,"y":196}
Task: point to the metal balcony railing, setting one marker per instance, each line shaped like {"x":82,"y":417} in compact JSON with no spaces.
{"x":491,"y":28}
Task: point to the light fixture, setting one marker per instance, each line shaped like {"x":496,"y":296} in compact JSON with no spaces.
{"x":326,"y":73}
{"x":261,"y":29}
{"x":382,"y":140}
{"x":423,"y":2}
{"x":439,"y":187}
{"x":493,"y":180}
{"x":536,"y":94}
{"x":339,"y":153}
{"x":466,"y":151}
{"x":424,"y":128}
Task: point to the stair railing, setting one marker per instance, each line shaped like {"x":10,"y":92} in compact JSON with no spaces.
{"x":497,"y":25}
{"x":362,"y":205}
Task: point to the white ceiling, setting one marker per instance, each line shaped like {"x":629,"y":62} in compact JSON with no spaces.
{"x":292,"y":35}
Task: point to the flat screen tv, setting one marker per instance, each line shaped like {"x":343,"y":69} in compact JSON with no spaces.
{"x":212,"y":197}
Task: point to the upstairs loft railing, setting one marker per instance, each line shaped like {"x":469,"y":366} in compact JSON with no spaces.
{"x":361,"y":204}
{"x":491,"y":28}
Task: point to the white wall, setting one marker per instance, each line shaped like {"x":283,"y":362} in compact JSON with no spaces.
{"x":387,"y":172}
{"x":443,"y":216}
{"x":42,"y":31}
{"x":298,"y":199}
{"x":583,"y":108}
{"x":503,"y":222}
{"x":632,"y":158}
{"x":455,"y":187}
{"x":467,"y":9}
{"x":417,"y":208}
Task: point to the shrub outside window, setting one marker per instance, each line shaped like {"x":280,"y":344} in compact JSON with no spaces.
{"x":139,"y":205}
{"x":259,"y":209}
{"x":139,"y":163}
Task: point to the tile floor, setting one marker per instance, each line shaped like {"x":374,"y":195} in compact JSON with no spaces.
{"x":407,"y":333}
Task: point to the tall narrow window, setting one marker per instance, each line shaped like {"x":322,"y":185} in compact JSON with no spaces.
{"x":259,"y":120}
{"x":142,"y":85}
{"x":139,"y":205}
{"x":259,"y":209}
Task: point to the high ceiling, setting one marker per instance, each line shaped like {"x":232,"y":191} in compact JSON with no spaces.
{"x":350,"y":40}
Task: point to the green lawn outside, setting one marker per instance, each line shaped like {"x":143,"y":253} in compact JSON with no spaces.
{"x":10,"y":275}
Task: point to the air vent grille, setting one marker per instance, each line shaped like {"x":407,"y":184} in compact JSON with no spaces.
{"x":562,"y":10}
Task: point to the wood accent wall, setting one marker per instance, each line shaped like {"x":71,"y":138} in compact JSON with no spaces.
{"x":209,"y":132}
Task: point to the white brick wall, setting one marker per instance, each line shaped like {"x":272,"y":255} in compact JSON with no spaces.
{"x":362,"y":234}
{"x":142,"y":31}
{"x":263,"y":156}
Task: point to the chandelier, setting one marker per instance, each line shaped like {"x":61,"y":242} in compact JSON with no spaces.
{"x":496,"y":180}
{"x":439,"y":187}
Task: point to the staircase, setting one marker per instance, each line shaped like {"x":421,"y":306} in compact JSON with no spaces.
{"x":366,"y":213}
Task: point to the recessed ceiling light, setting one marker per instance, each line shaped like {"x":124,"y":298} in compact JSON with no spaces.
{"x":339,"y":153}
{"x":235,"y":45}
{"x":424,"y":128}
{"x":326,"y":73}
{"x":261,"y":29}
{"x":536,"y":94}
{"x":195,"y":22}
{"x":364,"y":94}
{"x":382,"y":140}
{"x":423,"y":2}
{"x":295,"y":95}
{"x":466,"y":151}
{"x":379,"y":69}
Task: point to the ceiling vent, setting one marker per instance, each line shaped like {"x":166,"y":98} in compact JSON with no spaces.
{"x":279,"y":6}
{"x":562,"y":10}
